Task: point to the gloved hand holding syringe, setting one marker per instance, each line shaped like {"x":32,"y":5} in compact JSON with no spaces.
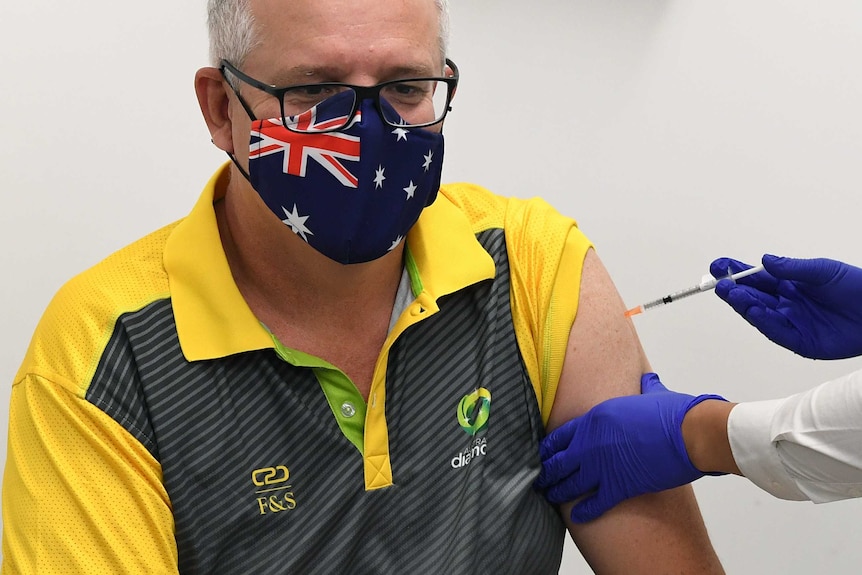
{"x":707,"y":283}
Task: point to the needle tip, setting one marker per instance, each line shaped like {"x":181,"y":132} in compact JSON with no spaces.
{"x":634,"y":311}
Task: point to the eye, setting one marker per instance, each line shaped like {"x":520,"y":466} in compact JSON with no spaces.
{"x":408,"y":92}
{"x":301,"y":98}
{"x":314,"y":91}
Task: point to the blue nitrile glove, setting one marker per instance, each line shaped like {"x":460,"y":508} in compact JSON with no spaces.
{"x":622,"y":447}
{"x":812,"y":307}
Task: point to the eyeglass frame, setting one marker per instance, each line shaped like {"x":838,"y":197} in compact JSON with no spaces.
{"x":362,"y":93}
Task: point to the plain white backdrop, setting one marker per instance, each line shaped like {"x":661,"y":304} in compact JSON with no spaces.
{"x":674,"y":132}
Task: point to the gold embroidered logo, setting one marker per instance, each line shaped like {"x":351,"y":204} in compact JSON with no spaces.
{"x":274,"y":494}
{"x":270,"y":475}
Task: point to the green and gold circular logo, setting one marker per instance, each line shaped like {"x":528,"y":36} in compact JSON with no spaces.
{"x":473,"y":411}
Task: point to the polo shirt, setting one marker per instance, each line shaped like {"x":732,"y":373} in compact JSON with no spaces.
{"x":156,"y":426}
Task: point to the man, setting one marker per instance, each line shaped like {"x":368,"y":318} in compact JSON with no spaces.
{"x":803,"y":447}
{"x":299,"y":376}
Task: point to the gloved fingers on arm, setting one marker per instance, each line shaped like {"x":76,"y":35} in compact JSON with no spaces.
{"x":559,"y":439}
{"x":584,"y":481}
{"x":557,"y":468}
{"x":590,"y":508}
{"x":650,"y":383}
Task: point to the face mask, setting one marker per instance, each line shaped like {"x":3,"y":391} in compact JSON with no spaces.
{"x":352,"y":195}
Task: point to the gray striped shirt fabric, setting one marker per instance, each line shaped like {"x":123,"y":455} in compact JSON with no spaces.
{"x":262,"y":480}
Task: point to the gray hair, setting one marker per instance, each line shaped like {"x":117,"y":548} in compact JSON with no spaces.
{"x":231,"y":31}
{"x":232,"y":35}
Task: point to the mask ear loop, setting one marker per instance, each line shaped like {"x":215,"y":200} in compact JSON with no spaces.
{"x":239,"y":167}
{"x":236,"y":163}
{"x":248,"y":111}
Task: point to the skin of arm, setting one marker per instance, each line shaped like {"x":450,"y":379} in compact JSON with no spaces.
{"x":650,"y":534}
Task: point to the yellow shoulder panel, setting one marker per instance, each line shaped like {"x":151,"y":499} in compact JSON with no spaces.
{"x":77,"y":324}
{"x":483,"y":209}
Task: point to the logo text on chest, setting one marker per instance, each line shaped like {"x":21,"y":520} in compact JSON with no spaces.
{"x":273,"y":492}
{"x":479,"y":448}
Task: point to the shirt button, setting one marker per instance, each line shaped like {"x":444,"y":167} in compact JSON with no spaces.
{"x":347,"y":409}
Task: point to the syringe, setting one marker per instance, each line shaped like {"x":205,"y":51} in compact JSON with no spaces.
{"x":706,"y":283}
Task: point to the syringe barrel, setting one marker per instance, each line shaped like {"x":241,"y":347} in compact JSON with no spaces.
{"x":673,"y":297}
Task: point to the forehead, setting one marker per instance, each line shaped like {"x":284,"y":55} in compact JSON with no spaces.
{"x":357,"y":37}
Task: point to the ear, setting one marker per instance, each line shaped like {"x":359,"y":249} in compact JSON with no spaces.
{"x":449,"y":72}
{"x":214,"y":100}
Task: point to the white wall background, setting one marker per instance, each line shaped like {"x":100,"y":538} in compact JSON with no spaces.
{"x":675,"y":132}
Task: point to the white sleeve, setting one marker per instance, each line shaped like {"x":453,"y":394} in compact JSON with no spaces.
{"x":807,"y":446}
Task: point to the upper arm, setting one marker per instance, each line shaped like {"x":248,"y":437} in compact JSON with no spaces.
{"x":656,"y":533}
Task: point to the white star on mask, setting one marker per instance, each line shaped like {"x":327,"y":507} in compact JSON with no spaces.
{"x":297,"y":223}
{"x":427,"y":163}
{"x":378,"y":178}
{"x":401,"y":133}
{"x":395,"y":243}
{"x":411,"y":189}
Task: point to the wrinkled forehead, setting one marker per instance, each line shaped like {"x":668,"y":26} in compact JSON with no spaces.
{"x":350,"y":33}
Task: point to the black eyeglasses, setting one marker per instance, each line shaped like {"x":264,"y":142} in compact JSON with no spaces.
{"x":406,"y":103}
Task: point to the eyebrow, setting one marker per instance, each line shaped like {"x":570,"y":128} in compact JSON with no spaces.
{"x":412,"y":72}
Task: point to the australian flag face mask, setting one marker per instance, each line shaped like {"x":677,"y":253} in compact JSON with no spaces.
{"x":353,"y":194}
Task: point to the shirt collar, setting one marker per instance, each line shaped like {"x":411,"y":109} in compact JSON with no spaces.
{"x":445,"y":251}
{"x":212,"y":318}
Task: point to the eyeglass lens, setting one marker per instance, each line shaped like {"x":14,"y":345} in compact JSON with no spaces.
{"x":407,"y":103}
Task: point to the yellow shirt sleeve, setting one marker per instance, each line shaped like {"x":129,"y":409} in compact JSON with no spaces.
{"x":546,"y":258}
{"x":80,"y":494}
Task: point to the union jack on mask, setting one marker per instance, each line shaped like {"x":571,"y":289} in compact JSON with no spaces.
{"x":352,"y":194}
